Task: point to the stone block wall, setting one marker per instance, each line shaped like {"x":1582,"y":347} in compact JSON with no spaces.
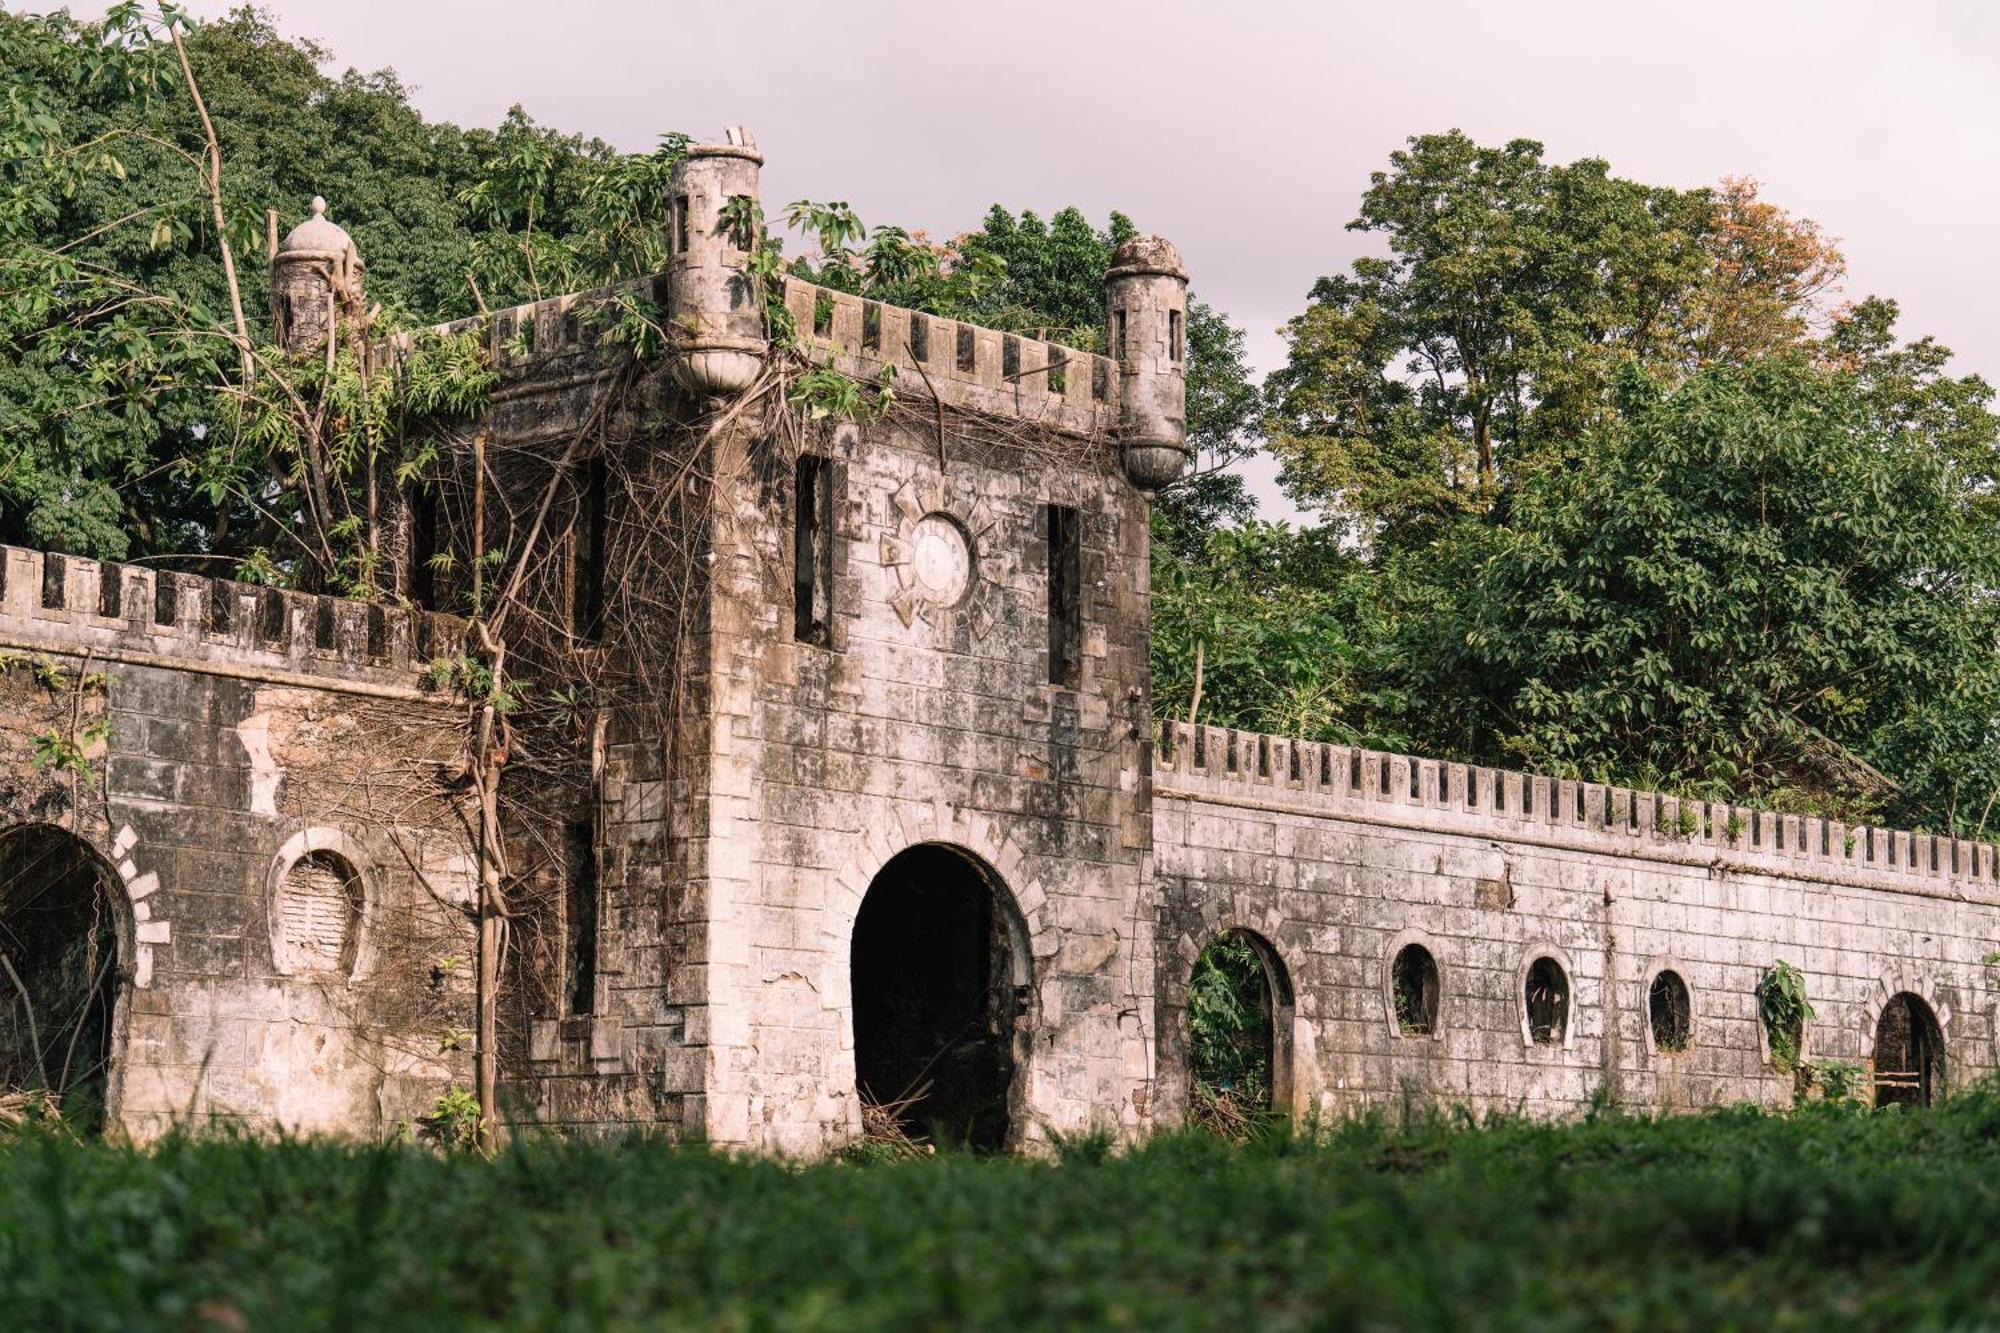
{"x":925,"y":716}
{"x":271,"y":813}
{"x":1336,"y":858}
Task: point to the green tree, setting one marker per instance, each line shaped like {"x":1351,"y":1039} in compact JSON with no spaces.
{"x":115,"y":337}
{"x":1751,"y":584}
{"x":1425,"y":385}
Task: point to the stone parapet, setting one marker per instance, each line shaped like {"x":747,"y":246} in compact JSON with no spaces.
{"x":1224,"y":766}
{"x":128,"y":613}
{"x":967,"y":367}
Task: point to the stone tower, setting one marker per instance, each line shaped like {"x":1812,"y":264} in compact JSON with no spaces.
{"x":1146,"y":321}
{"x":714,"y":221}
{"x":315,"y":282}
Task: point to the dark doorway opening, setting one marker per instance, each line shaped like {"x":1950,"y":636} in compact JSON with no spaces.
{"x":1239,"y":1018}
{"x":937,"y":999}
{"x":1909,"y":1053}
{"x":60,"y":979}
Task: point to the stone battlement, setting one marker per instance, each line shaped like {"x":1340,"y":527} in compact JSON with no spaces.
{"x":128,"y":613}
{"x":544,"y":346}
{"x":1275,"y":774}
{"x":976,"y":369}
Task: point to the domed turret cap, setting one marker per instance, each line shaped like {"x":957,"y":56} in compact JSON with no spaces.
{"x":1147,"y":254}
{"x":317,"y":233}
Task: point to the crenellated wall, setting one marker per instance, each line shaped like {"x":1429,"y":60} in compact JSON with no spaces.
{"x":985,"y":371}
{"x":130,"y":613}
{"x":1337,"y":857}
{"x":267,"y":794}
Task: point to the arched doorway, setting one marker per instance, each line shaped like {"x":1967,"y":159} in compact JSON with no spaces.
{"x":1239,"y":1033}
{"x":1909,"y":1053}
{"x":59,"y":974}
{"x":940,"y":985}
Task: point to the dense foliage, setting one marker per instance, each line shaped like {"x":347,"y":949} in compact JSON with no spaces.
{"x":1611,"y":491}
{"x":1608,"y":485}
{"x":1829,"y":1217}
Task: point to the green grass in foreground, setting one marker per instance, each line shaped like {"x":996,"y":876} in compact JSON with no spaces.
{"x":1741,"y":1219}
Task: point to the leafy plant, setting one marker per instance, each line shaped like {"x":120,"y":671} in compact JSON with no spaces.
{"x":1784,"y":1008}
{"x":1230,"y":1036}
{"x":454,"y":1120}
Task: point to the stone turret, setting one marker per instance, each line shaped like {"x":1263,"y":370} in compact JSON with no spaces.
{"x":713,"y":221}
{"x":315,"y":282}
{"x":1145,"y":295}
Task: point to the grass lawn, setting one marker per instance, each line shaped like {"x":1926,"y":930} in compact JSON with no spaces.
{"x":1828,"y":1216}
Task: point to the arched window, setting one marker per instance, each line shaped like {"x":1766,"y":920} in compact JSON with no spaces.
{"x":319,"y":913}
{"x":1413,"y":980}
{"x":1545,"y":995}
{"x":1909,"y":1053}
{"x":1670,"y":1012}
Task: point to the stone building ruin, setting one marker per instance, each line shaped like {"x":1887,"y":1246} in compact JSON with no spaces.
{"x":910,"y":830}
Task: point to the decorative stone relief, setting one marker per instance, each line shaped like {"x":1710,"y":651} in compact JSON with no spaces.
{"x":936,"y":557}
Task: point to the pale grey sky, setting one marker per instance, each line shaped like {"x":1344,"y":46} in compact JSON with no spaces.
{"x":1245,"y":131}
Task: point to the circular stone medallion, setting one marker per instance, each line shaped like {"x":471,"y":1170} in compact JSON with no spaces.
{"x":941,"y":559}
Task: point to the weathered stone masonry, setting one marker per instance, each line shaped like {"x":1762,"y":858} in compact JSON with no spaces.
{"x":915,"y":832}
{"x":260,"y":809}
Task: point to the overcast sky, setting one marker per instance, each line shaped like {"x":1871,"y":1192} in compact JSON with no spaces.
{"x":1245,"y":131}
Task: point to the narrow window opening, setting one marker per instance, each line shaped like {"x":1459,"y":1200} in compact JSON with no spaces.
{"x":378,"y":631}
{"x":681,"y":224}
{"x":588,"y":554}
{"x":580,"y":915}
{"x":1118,"y":337}
{"x":1670,"y":1013}
{"x":1416,"y":782}
{"x":221,"y":606}
{"x":1010,"y":357}
{"x":1065,"y":591}
{"x":1100,"y":379}
{"x":966,"y":358}
{"x":741,"y":231}
{"x":324,"y":623}
{"x":1414,"y":984}
{"x":1354,"y":772}
{"x":1058,"y":371}
{"x":1382,"y":774}
{"x":920,"y":338}
{"x":1174,"y":336}
{"x":812,"y":551}
{"x":823,"y":315}
{"x":1546,"y":994}
{"x":871,"y":326}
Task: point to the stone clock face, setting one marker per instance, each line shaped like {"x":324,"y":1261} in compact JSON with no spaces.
{"x":941,"y":559}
